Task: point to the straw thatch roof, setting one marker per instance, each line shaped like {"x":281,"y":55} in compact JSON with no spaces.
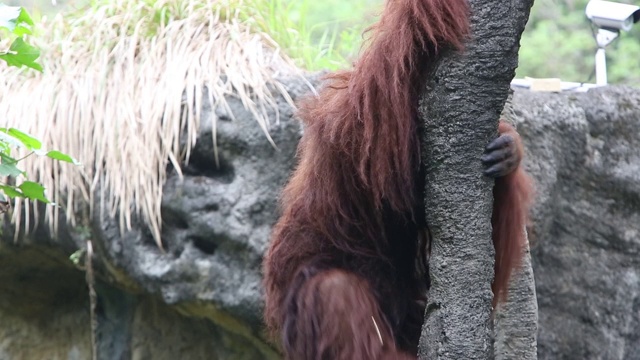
{"x":122,"y":82}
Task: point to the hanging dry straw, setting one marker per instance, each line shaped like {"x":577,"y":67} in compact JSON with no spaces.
{"x":122,"y":83}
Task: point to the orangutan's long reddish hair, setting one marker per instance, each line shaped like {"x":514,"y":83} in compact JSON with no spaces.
{"x":370,"y":111}
{"x":512,"y":198}
{"x":344,"y":275}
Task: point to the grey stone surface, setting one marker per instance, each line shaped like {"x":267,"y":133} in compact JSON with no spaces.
{"x":216,"y":221}
{"x":44,"y":314}
{"x":584,"y":151}
{"x":216,"y":225}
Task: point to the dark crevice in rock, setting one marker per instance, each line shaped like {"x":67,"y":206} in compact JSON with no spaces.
{"x":173,"y":219}
{"x":115,"y":314}
{"x":207,"y":246}
{"x":205,"y":165}
{"x":212,"y":207}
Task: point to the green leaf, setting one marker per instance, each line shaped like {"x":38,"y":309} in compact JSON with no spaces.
{"x":10,"y":140}
{"x":21,"y":30}
{"x":4,"y":148}
{"x":7,"y":159}
{"x":29,"y":141}
{"x":57,"y":155}
{"x":10,"y":170}
{"x":24,"y":17}
{"x":33,"y":191}
{"x":9,"y":16}
{"x":24,"y":24}
{"x":8,"y":166}
{"x":76,"y":256}
{"x":11,"y":191}
{"x":22,"y":54}
{"x":15,"y":19}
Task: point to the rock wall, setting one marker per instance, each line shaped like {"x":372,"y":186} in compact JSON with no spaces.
{"x":200,"y":298}
{"x":44,"y":312}
{"x":584,"y":151}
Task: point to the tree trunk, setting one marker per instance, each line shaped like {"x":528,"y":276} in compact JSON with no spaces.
{"x":516,"y":321}
{"x":515,"y":326}
{"x":461,"y":105}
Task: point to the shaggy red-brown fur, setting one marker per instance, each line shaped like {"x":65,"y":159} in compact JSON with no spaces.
{"x":345,"y":275}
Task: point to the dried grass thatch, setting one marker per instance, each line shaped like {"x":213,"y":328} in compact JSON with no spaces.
{"x":112,"y":96}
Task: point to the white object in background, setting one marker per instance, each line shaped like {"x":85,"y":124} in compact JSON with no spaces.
{"x":544,"y":85}
{"x":603,"y":38}
{"x":527,"y":83}
{"x":610,"y":18}
{"x":612,"y":15}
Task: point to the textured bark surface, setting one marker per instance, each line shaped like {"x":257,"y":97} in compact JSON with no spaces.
{"x":516,"y":321}
{"x":463,"y":100}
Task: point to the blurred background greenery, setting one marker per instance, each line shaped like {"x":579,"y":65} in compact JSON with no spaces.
{"x":558,"y":41}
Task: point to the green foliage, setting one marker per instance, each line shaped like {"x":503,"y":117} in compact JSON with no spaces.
{"x":22,"y":54}
{"x":24,"y":139}
{"x":336,"y":26}
{"x":17,"y":22}
{"x":559,"y":42}
{"x":14,"y":138}
{"x":8,"y":166}
{"x":318,"y":35}
{"x":33,"y":191}
{"x":57,"y":155}
{"x":327,"y":34}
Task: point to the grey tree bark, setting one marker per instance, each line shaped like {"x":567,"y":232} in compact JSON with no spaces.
{"x":516,"y":321}
{"x":515,"y":326}
{"x":463,"y":99}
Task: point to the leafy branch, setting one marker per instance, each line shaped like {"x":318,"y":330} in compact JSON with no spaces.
{"x":17,"y":23}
